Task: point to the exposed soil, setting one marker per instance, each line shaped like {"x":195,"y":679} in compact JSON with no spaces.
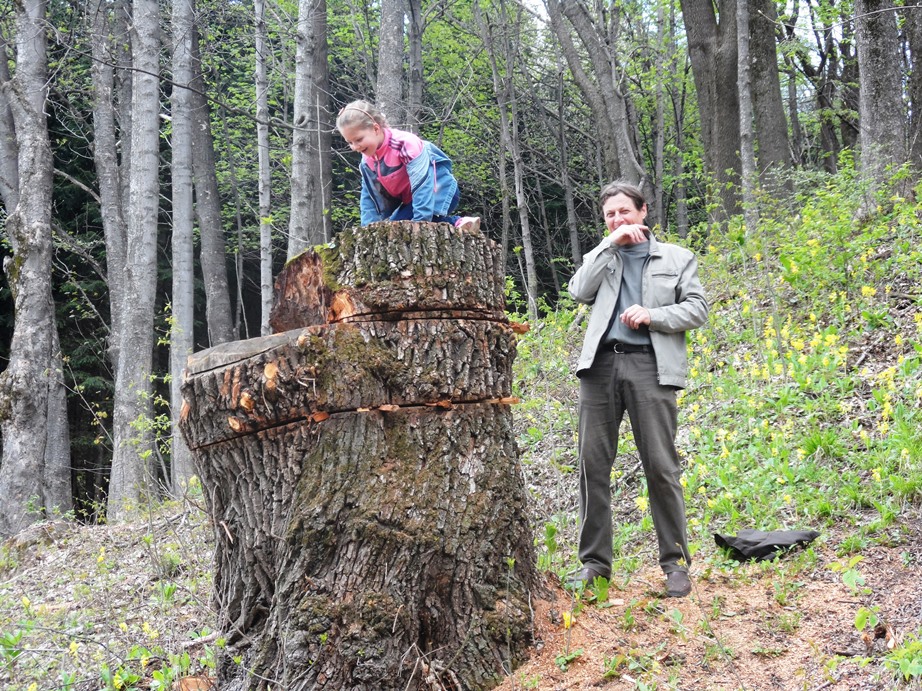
{"x":732,"y":632}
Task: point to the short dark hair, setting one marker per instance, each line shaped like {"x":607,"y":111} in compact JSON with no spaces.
{"x":632,"y":192}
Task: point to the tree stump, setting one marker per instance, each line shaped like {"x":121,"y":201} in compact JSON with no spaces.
{"x":362,"y":473}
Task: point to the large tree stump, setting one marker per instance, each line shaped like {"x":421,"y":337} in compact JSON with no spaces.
{"x":362,"y":473}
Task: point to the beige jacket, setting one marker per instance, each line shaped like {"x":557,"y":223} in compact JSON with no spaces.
{"x":672,"y":294}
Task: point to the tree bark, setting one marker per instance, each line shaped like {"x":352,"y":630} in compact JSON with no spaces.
{"x":131,"y":473}
{"x":389,"y":88}
{"x":771,"y":129}
{"x":33,"y":414}
{"x":415,"y":28}
{"x":881,"y":110}
{"x":362,"y":475}
{"x":913,"y":27}
{"x":747,"y":143}
{"x":602,"y":91}
{"x":309,"y":221}
{"x":183,"y":278}
{"x":213,"y":252}
{"x":265,"y":172}
{"x":712,"y":49}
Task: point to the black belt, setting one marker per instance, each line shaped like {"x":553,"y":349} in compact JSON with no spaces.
{"x":626,"y":348}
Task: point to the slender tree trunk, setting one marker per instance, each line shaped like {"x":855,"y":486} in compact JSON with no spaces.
{"x":712,"y":49}
{"x":606,"y":98}
{"x":415,"y":28}
{"x":747,"y":144}
{"x":265,"y":172}
{"x":131,"y":471}
{"x":913,"y":27}
{"x":389,"y":88}
{"x":213,"y":252}
{"x":881,"y":110}
{"x":33,"y":417}
{"x":504,"y":88}
{"x":678,"y":99}
{"x":182,"y":312}
{"x":771,"y":128}
{"x":309,"y":218}
{"x":659,"y":145}
{"x":576,"y":252}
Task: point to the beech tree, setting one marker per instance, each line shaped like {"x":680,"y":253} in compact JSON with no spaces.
{"x":131,"y":477}
{"x":311,"y":138}
{"x":882,"y":113}
{"x":597,"y":30}
{"x":389,"y":88}
{"x":182,"y":313}
{"x":264,"y":170}
{"x":35,"y":470}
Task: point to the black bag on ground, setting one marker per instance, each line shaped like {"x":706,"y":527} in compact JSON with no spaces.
{"x":762,"y":546}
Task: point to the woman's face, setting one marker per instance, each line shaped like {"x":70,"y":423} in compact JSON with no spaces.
{"x":363,"y":138}
{"x":620,"y":210}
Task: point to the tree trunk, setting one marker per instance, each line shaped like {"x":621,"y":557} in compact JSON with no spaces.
{"x":606,"y":98}
{"x":712,"y":49}
{"x":415,"y":28}
{"x":309,"y":222}
{"x":31,"y":385}
{"x":913,"y":26}
{"x":389,"y":88}
{"x":362,"y":473}
{"x":504,"y":89}
{"x":881,"y":110}
{"x":183,"y":298}
{"x":218,"y":313}
{"x":747,"y":143}
{"x":771,"y":129}
{"x":131,"y":471}
{"x":265,"y":172}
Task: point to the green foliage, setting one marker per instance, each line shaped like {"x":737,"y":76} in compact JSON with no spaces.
{"x":565,"y":659}
{"x":906,"y":659}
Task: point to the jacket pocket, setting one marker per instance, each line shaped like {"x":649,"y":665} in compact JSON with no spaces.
{"x":664,"y":284}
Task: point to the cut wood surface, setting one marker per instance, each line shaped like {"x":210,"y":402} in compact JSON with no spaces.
{"x":391,"y":269}
{"x":343,"y":367}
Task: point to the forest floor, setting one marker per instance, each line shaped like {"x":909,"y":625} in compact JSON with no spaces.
{"x":130,"y":602}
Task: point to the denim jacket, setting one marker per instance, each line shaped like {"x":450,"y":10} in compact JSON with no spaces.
{"x":432,"y":183}
{"x":672,"y":294}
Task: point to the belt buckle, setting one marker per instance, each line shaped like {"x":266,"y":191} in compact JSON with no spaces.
{"x":618,"y":348}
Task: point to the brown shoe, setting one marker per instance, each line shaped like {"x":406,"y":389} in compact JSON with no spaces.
{"x":586,"y":576}
{"x":677,"y":584}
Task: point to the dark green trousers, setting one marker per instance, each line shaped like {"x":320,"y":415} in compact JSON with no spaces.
{"x":614,"y":384}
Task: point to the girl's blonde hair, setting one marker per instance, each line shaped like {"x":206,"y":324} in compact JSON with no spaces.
{"x":360,"y":114}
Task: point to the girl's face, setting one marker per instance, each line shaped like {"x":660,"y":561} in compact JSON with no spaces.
{"x":363,"y":138}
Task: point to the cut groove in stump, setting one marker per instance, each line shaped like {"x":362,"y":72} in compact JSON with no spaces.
{"x":362,"y":473}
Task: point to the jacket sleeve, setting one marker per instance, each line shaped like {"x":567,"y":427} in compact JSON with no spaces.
{"x":367,"y":207}
{"x":585,"y":283}
{"x":691,"y":306}
{"x":421,"y":172}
